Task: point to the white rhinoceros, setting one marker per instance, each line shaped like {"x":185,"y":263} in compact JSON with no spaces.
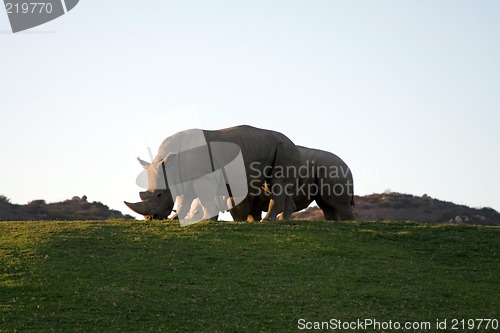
{"x":223,"y":163}
{"x":324,"y":178}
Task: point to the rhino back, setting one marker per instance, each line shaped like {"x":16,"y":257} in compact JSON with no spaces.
{"x":260,"y":148}
{"x":256,"y":144}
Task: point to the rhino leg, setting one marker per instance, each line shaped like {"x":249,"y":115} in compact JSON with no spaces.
{"x":344,"y":212}
{"x":289,"y":208}
{"x":272,"y":203}
{"x":247,"y":210}
{"x":279,"y":204}
{"x":336,"y":211}
{"x":206,"y":190}
{"x":237,"y":213}
{"x":257,"y":206}
{"x":330,"y":214}
{"x":283,"y":184}
{"x":184,"y":205}
{"x":254,"y":216}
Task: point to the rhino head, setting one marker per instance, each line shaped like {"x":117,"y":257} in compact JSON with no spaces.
{"x":157,"y":201}
{"x":157,"y":204}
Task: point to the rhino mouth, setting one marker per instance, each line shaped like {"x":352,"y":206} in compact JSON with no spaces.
{"x":154,"y":217}
{"x":146,"y":209}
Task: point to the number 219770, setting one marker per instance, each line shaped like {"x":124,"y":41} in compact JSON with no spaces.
{"x":28,"y":7}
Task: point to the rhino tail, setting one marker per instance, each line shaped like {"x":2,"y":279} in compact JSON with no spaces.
{"x":352,"y":200}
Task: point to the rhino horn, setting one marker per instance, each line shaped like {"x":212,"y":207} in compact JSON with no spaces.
{"x":139,"y":207}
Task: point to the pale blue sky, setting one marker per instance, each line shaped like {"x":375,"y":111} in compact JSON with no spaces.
{"x":406,"y":92}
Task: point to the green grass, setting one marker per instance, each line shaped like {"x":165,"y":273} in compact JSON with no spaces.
{"x":154,"y":276}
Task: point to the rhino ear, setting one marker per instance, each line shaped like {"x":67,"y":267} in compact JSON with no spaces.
{"x":169,"y":158}
{"x":143,"y":163}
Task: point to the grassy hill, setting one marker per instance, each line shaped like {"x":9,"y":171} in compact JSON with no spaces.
{"x":130,"y":276}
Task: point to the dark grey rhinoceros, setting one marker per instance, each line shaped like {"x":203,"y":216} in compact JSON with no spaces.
{"x":211,"y":165}
{"x":325,"y":178}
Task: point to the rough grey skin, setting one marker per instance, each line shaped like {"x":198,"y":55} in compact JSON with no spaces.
{"x":265,"y":154}
{"x":325,"y":178}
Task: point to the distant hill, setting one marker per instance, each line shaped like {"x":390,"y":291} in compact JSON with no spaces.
{"x":373,"y":207}
{"x":73,"y":209}
{"x":398,"y":206}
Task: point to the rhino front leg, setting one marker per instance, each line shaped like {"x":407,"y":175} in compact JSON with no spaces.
{"x":206,"y":190}
{"x":179,"y":199}
{"x":283,"y":185}
{"x":273,"y":210}
{"x":185,"y":206}
{"x":281,"y":201}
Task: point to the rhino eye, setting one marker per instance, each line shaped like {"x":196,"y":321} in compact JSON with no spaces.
{"x":158,"y":195}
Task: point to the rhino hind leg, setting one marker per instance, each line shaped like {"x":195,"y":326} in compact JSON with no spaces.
{"x":336,"y":211}
{"x":289,"y":209}
{"x":328,"y":211}
{"x":336,"y":208}
{"x":344,"y":212}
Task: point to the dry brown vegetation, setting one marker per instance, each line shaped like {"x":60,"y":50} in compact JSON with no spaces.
{"x":75,"y":208}
{"x":398,"y":206}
